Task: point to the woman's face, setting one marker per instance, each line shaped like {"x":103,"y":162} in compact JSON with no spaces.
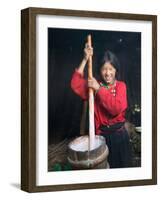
{"x":108,"y":73}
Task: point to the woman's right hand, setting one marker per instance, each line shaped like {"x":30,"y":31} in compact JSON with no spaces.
{"x":88,"y":51}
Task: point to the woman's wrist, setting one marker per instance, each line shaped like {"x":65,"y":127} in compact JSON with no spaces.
{"x":81,"y":67}
{"x":85,"y":60}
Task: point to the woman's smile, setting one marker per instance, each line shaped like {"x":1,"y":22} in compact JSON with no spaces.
{"x":108,"y":78}
{"x":108,"y":73}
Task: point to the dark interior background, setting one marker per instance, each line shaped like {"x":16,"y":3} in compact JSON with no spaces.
{"x":65,"y":52}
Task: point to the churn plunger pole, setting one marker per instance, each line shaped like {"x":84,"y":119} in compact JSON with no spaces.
{"x":91,"y":101}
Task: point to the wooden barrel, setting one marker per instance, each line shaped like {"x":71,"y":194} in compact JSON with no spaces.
{"x":81,"y":158}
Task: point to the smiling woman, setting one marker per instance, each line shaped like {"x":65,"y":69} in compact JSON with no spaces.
{"x":110,"y":106}
{"x":109,"y":62}
{"x":108,"y":73}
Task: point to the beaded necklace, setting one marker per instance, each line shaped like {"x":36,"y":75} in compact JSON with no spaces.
{"x":110,"y":86}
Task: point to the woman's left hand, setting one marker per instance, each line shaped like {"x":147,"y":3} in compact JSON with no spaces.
{"x":92,"y":83}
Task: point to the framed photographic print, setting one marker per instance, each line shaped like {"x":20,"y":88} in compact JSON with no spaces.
{"x":88,"y":99}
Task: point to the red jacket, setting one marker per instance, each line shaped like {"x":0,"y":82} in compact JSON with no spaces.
{"x":109,"y":108}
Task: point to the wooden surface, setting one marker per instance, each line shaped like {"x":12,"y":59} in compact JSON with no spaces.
{"x":91,"y":100}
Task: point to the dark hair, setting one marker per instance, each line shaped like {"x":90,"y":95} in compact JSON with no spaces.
{"x":109,"y":57}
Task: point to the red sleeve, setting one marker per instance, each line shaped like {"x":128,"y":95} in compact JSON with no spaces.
{"x":79,"y":85}
{"x":113,"y":104}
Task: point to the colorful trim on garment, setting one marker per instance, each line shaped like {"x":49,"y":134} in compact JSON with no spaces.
{"x":108,"y":86}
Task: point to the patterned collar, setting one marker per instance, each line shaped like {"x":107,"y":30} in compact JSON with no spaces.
{"x":108,"y":86}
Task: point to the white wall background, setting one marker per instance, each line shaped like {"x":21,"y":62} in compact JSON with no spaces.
{"x":10,"y":97}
